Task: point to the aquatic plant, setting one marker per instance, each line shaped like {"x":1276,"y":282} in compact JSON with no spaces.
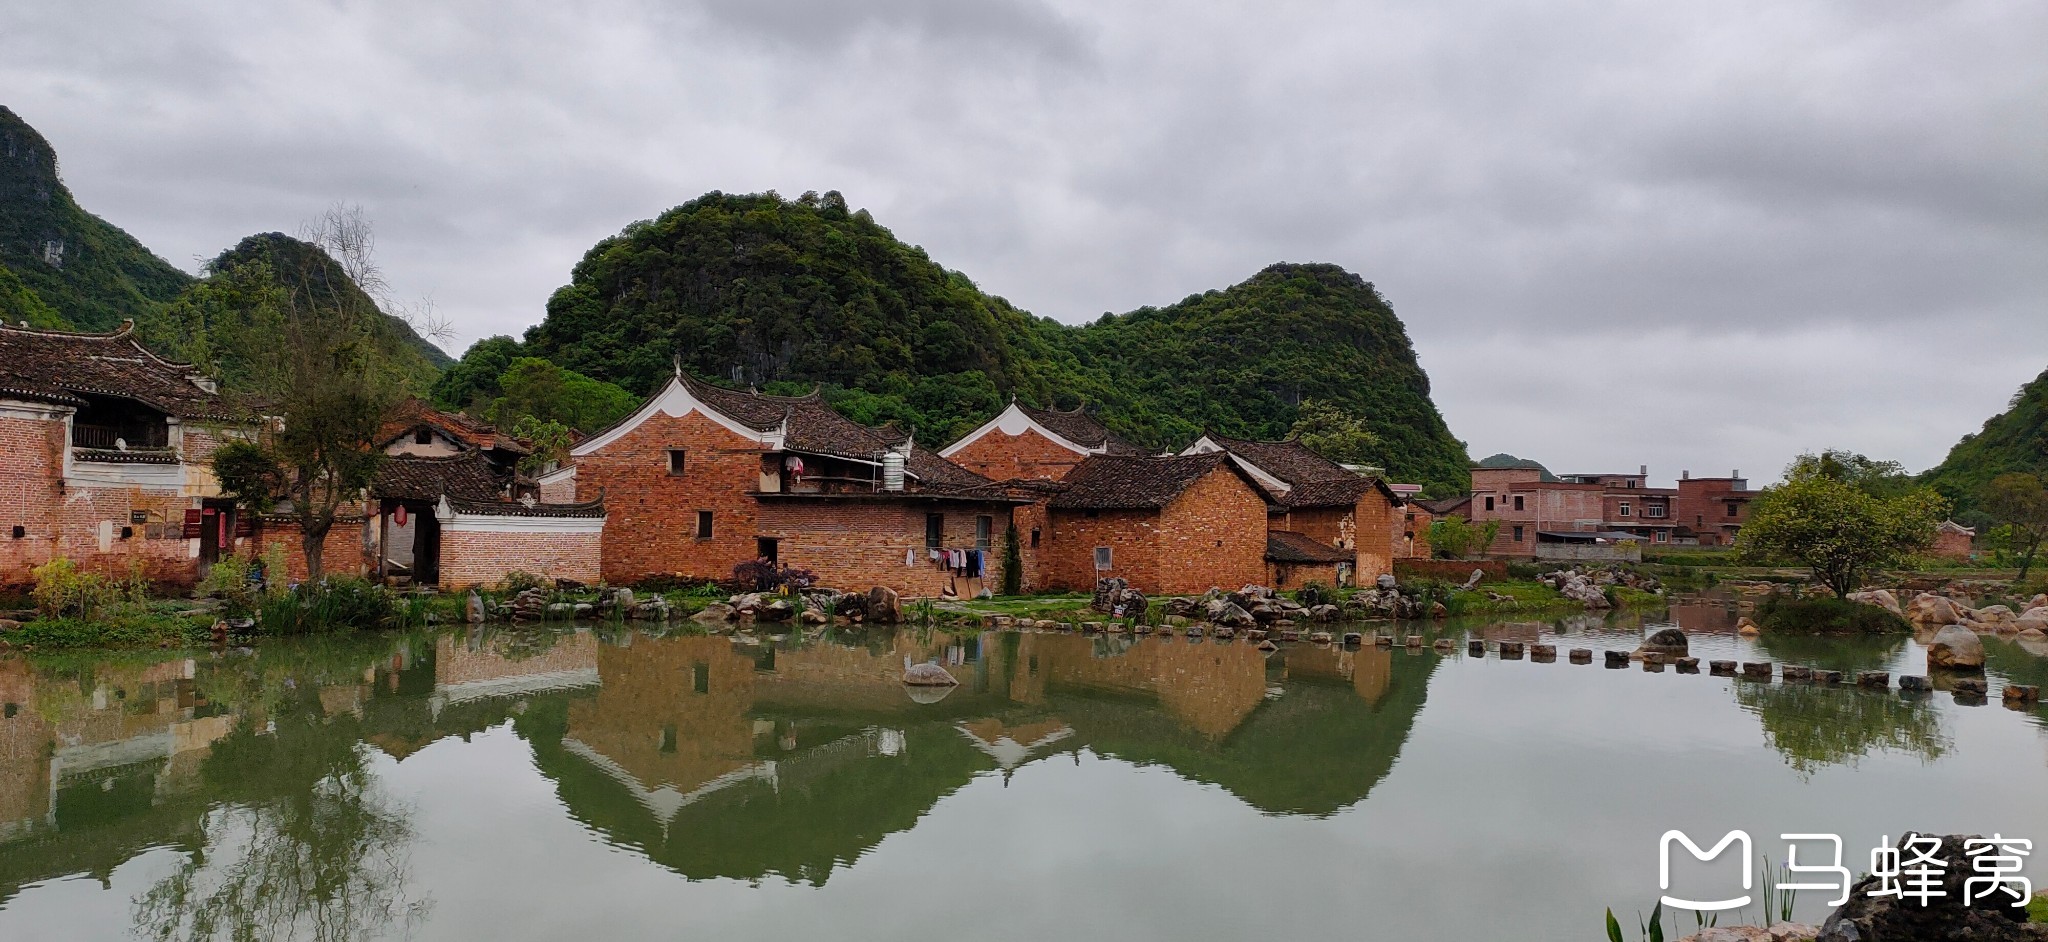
{"x":1650,"y":929}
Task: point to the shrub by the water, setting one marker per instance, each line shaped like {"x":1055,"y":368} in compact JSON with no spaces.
{"x":332,"y":604}
{"x":1829,"y":616}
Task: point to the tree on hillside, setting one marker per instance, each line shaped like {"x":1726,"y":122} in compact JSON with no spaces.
{"x":2018,"y":501}
{"x":534,"y":388}
{"x":1869,"y":475}
{"x":472,"y":382}
{"x":325,"y":380}
{"x":1823,"y":518}
{"x":1326,"y":429}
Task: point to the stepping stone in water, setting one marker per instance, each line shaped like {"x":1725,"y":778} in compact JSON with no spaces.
{"x":1476,"y":647}
{"x":1721,"y":668}
{"x":1688,"y":665}
{"x":1511,"y":650}
{"x":1756,"y":670}
{"x":1582,"y":655}
{"x":1545,"y":653}
{"x":1882,"y":679}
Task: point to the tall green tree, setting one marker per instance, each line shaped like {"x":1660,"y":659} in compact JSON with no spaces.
{"x":328,"y":382}
{"x":1822,"y":518}
{"x":1328,"y":430}
{"x":533,"y":388}
{"x":2018,"y":501}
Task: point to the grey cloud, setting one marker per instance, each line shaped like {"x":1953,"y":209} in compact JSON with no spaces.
{"x":1718,"y":209}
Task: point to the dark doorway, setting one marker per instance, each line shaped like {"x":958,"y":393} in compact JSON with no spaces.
{"x":765,"y":548}
{"x":216,"y":530}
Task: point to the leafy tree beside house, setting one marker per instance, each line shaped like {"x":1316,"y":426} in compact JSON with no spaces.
{"x":329,"y":379}
{"x":2018,"y":502}
{"x":1826,"y":517}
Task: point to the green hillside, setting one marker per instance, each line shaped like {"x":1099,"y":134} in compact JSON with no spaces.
{"x":2013,"y":440}
{"x":228,"y":322}
{"x":94,"y":275}
{"x":783,"y":293}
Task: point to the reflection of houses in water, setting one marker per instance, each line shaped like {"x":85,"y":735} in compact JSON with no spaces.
{"x":669,"y":720}
{"x":1368,"y":669}
{"x":482,"y":665}
{"x":138,"y":731}
{"x":1209,"y":687}
{"x":1704,"y":614}
{"x":1012,"y":746}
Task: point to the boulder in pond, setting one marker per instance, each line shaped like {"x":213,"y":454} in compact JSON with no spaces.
{"x":1928,"y":610}
{"x":1867,"y":918}
{"x":1747,"y":628}
{"x":1882,"y":598}
{"x":884,"y":605}
{"x":1226,"y":612}
{"x":775,"y":610}
{"x":716,"y":613}
{"x":1955,"y":648}
{"x":927,"y":675}
{"x":1667,"y":641}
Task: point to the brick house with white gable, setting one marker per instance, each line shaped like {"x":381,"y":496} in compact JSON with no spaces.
{"x":1027,"y":448}
{"x":1313,"y":501}
{"x":104,"y":457}
{"x":702,"y":478}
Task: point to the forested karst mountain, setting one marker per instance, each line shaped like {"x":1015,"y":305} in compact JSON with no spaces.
{"x":227,"y":322}
{"x":784,"y":293}
{"x":63,"y":267}
{"x":2013,"y":440}
{"x":88,"y":272}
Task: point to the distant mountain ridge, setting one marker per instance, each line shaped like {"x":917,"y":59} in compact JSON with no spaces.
{"x":758,"y":289}
{"x":2013,"y":440}
{"x":63,"y":267}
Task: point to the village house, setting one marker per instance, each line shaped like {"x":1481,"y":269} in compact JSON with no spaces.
{"x":1952,"y":540}
{"x":1541,"y":517}
{"x":451,"y":508}
{"x":104,"y":458}
{"x":701,"y":479}
{"x":1176,"y":525}
{"x":1359,"y":522}
{"x":1026,"y":448}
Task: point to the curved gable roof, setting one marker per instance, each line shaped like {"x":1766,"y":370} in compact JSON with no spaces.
{"x":63,"y":366}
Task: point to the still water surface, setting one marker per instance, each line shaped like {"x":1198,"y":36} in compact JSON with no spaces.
{"x":613,"y":784}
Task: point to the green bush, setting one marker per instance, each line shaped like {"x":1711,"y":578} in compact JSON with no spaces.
{"x":63,"y":590}
{"x":518,"y":581}
{"x":333,"y":604}
{"x":1827,"y":615}
{"x":122,"y":630}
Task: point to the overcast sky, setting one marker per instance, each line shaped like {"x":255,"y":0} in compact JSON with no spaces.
{"x":1699,"y":236}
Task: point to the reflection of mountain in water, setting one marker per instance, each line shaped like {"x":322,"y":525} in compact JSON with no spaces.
{"x":1320,"y":746}
{"x":712,"y":758}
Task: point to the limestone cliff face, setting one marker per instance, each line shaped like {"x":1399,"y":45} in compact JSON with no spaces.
{"x":89,"y":271}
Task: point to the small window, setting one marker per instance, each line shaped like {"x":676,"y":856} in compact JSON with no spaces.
{"x":668,"y":739}
{"x":1034,"y":535}
{"x":1103,"y":558}
{"x":422,"y":437}
{"x":675,"y":462}
{"x":700,"y":677}
{"x":766,"y":547}
{"x":703,"y":524}
{"x":1663,"y":536}
{"x":21,"y":533}
{"x":1732,"y":508}
{"x":1518,"y":534}
{"x":1624,"y":508}
{"x":128,"y":533}
{"x":984,"y":529}
{"x":1489,"y":502}
{"x":934,"y":531}
{"x":1518,"y":501}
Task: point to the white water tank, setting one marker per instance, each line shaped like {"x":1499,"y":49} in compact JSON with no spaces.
{"x":892,"y":470}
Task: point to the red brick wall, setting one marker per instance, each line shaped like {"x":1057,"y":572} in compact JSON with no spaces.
{"x":856,"y":544}
{"x":1295,"y":575}
{"x":471,"y":558}
{"x":651,"y":516}
{"x":1381,"y":537}
{"x":31,"y":462}
{"x":1212,"y":535}
{"x":341,"y":553}
{"x":1003,"y":457}
{"x":1950,"y":544}
{"x":1067,"y":557}
{"x":1702,"y":504}
{"x":1416,"y":521}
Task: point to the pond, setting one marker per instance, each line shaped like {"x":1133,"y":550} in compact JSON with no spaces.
{"x":608,"y":783}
